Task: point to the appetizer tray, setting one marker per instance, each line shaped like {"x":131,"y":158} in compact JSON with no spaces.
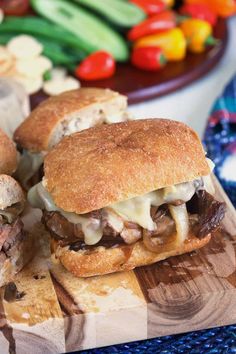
{"x":59,"y":313}
{"x":141,"y":85}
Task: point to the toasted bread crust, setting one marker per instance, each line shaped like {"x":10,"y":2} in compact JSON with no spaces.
{"x":37,"y":130}
{"x":10,"y":192}
{"x":110,"y":163}
{"x":8,"y":155}
{"x":120,"y":258}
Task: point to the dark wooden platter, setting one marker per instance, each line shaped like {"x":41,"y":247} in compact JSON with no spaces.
{"x":141,"y":85}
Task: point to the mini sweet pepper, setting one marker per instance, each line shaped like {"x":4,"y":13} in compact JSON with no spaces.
{"x":198,"y":34}
{"x":200,"y":11}
{"x":172,"y":42}
{"x":222,"y":8}
{"x":161,"y":22}
{"x":151,"y":7}
{"x":148,"y":58}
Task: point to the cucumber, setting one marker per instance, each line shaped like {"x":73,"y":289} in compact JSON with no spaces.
{"x":5,"y":38}
{"x":58,"y":55}
{"x":119,"y":12}
{"x":40,"y":27}
{"x":91,"y":32}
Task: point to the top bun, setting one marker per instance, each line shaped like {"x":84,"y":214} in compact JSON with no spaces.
{"x":10,"y":192}
{"x":110,"y":163}
{"x":49,"y":122}
{"x":8,"y":155}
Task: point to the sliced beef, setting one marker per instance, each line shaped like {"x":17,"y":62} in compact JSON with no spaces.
{"x":131,"y":232}
{"x":164,"y":222}
{"x":8,"y":233}
{"x":5,"y":230}
{"x":61,"y":229}
{"x":11,"y":236}
{"x":211,"y":213}
{"x":111,"y":229}
{"x":108,"y":243}
{"x":14,"y":235}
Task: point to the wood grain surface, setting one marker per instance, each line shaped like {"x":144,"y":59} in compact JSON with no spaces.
{"x":61,"y":313}
{"x":141,"y":85}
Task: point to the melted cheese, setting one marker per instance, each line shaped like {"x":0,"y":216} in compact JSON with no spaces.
{"x":138,"y":209}
{"x":38,"y":197}
{"x":28,"y":166}
{"x":207,"y":180}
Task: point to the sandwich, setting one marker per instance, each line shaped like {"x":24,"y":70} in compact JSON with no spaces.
{"x":16,"y":247}
{"x":61,"y":115}
{"x":120,"y":196}
{"x":8,"y":155}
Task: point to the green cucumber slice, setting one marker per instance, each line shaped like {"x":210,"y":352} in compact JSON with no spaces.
{"x":92,"y":34}
{"x":119,"y":12}
{"x":40,"y":27}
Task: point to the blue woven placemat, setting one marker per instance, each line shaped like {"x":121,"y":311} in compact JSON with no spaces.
{"x":217,"y":340}
{"x":220,"y":142}
{"x":220,"y":136}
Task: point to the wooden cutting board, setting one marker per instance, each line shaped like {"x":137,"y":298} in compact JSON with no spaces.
{"x":60,"y":313}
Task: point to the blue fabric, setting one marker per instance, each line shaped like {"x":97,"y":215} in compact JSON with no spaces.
{"x":220,"y":135}
{"x":220,"y":142}
{"x":217,"y":340}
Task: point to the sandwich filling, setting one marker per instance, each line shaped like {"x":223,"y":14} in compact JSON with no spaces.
{"x":28,"y":170}
{"x":11,"y":232}
{"x":162,"y":219}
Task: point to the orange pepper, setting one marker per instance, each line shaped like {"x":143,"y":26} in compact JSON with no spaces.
{"x":172,"y":42}
{"x":198,"y":34}
{"x":223,"y":8}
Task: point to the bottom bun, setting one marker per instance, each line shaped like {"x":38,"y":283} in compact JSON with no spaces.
{"x":23,"y":253}
{"x":103,"y":260}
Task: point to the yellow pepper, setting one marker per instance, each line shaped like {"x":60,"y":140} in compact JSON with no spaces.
{"x":172,"y":42}
{"x":198,"y":34}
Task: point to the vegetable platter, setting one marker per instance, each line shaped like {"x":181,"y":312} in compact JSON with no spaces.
{"x":142,"y":48}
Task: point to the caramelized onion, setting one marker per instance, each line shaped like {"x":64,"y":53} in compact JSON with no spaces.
{"x":180,"y":215}
{"x":159,"y":244}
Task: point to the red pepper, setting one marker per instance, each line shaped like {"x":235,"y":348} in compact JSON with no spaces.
{"x":151,"y":7}
{"x":97,"y":66}
{"x":164,"y":21}
{"x":199,"y":11}
{"x":14,"y":7}
{"x":148,"y":58}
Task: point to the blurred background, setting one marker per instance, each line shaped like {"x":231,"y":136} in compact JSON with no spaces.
{"x":172,"y":58}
